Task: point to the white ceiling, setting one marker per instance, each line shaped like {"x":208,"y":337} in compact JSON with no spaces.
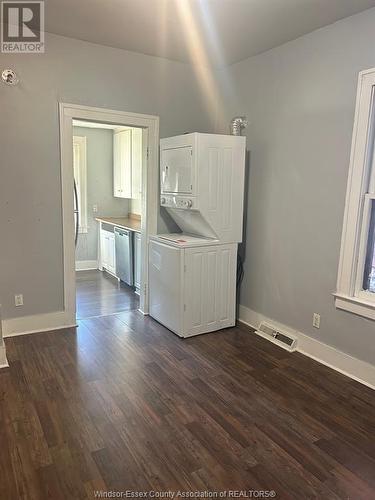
{"x":216,"y":31}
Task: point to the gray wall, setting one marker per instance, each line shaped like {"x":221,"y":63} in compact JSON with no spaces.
{"x":99,"y":144}
{"x":31,"y":258}
{"x":135,"y":206}
{"x":300,"y":100}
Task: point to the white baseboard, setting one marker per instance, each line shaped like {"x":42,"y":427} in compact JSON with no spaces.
{"x":38,"y":323}
{"x":327,"y":355}
{"x":86,"y":265}
{"x":3,"y":358}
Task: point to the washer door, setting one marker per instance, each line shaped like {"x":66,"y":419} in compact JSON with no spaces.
{"x":165,"y":275}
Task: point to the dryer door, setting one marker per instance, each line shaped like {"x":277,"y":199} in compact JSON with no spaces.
{"x":177,"y":170}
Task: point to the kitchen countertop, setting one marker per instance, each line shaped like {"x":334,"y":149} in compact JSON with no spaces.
{"x":122,"y":222}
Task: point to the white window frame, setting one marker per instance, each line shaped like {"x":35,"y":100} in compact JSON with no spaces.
{"x":350,"y":295}
{"x":81,"y":143}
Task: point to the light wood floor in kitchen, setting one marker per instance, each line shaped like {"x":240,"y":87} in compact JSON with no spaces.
{"x":100,"y":294}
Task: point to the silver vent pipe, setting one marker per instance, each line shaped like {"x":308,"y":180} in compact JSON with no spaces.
{"x":237,"y":124}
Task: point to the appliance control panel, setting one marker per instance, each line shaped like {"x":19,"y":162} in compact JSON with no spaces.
{"x":181,"y":202}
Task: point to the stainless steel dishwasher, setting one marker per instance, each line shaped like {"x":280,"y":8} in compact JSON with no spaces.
{"x":124,"y":255}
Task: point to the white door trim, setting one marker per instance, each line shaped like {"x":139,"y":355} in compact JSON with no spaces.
{"x":3,"y":357}
{"x":150,"y":183}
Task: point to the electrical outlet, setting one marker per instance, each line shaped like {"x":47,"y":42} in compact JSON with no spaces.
{"x":316,"y":320}
{"x":95,"y":208}
{"x":18,"y":300}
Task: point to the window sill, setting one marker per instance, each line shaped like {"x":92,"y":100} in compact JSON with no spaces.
{"x":355,"y":305}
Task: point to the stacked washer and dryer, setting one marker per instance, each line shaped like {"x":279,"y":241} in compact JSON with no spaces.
{"x":192,"y":274}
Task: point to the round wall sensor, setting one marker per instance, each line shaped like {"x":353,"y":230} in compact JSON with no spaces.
{"x":9,"y":77}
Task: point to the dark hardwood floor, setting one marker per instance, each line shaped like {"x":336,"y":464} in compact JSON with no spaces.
{"x":100,"y":294}
{"x":123,"y":404}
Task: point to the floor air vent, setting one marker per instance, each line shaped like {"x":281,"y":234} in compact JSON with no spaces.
{"x":282,"y":339}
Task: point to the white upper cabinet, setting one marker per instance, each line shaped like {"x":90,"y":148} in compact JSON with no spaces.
{"x":127,"y":163}
{"x":122,"y":162}
{"x":137,"y":163}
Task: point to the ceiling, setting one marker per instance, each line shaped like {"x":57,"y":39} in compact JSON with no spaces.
{"x":216,"y":32}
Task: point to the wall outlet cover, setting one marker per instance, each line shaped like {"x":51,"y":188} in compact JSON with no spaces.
{"x":316,"y":320}
{"x":18,"y":300}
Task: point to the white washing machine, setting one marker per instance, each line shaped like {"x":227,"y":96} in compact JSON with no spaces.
{"x":192,"y":283}
{"x":192,"y":274}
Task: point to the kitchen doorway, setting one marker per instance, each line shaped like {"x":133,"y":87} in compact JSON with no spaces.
{"x":107,"y":165}
{"x":112,"y":228}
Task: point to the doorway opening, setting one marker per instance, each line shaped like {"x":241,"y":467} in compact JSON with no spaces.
{"x":110,"y":205}
{"x":107,"y":166}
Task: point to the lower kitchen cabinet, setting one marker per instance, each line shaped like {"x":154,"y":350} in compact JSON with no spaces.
{"x":137,"y":262}
{"x":108,"y":251}
{"x":107,"y":255}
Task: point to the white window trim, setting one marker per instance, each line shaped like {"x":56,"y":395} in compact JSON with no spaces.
{"x":349,"y":294}
{"x":81,"y":142}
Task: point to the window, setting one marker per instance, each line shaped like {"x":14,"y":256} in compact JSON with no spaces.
{"x":369,"y":265}
{"x":356,"y":278}
{"x":80,"y":179}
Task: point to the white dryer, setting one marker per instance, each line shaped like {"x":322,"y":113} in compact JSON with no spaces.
{"x":202,"y":184}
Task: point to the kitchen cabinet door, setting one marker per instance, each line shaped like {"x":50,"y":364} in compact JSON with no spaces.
{"x":104,"y":249}
{"x":122,"y":164}
{"x":137,"y":163}
{"x":107,"y":251}
{"x":111,"y":264}
{"x":137,"y":261}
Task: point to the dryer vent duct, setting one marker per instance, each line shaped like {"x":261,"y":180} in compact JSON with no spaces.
{"x":237,"y":124}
